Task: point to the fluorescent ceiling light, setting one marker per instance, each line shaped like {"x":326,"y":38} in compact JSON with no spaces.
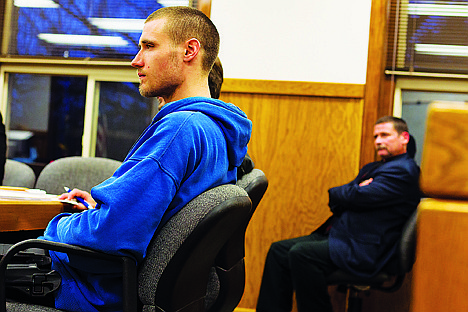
{"x":168,"y":3}
{"x":460,"y":9}
{"x":36,"y":4}
{"x":83,"y":40}
{"x":119,"y":24}
{"x":441,"y":49}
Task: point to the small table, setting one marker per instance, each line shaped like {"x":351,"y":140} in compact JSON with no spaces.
{"x":26,"y":215}
{"x":23,"y":209}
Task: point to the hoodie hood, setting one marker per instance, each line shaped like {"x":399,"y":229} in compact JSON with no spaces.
{"x":233,"y":122}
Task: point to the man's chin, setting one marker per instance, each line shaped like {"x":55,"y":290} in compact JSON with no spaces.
{"x":146,"y":93}
{"x":383,"y":154}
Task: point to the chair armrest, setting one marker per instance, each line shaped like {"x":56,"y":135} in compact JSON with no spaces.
{"x":129,"y":268}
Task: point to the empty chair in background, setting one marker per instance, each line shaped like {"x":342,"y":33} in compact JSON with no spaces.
{"x":18,"y":174}
{"x":75,"y":172}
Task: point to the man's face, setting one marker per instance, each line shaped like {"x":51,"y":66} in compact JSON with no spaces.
{"x":388,"y":142}
{"x":159,"y":61}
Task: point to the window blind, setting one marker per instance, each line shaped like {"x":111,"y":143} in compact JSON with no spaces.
{"x":428,"y":36}
{"x":104,"y":29}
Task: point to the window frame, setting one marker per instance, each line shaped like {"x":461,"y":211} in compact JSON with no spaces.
{"x":429,"y":84}
{"x":94,"y":71}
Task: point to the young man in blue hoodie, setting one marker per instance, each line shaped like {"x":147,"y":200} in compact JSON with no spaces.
{"x":193,"y":144}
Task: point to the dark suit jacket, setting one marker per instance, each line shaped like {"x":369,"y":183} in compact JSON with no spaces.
{"x":369,"y":219}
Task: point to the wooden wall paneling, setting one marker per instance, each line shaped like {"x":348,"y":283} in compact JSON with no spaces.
{"x":302,"y":88}
{"x":205,"y":6}
{"x":374,"y":107}
{"x":305,"y":145}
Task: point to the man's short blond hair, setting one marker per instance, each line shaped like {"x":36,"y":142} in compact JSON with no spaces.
{"x":184,"y":23}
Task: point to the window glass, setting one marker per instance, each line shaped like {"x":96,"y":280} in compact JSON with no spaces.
{"x":123,"y":115}
{"x":414,"y":112}
{"x":46,"y":117}
{"x":80,"y":28}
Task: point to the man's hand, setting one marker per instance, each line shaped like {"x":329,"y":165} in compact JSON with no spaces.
{"x":366,"y":182}
{"x":82,"y":194}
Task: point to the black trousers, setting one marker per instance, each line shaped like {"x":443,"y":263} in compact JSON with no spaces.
{"x":301,"y":265}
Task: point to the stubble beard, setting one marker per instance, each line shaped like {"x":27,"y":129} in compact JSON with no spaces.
{"x":166,"y":92}
{"x":145,"y":92}
{"x":167,"y":86}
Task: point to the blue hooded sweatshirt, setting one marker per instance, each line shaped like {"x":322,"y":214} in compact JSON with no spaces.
{"x":191,"y":145}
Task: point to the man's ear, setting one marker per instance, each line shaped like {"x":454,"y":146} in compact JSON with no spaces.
{"x":405,"y":136}
{"x":192,"y":47}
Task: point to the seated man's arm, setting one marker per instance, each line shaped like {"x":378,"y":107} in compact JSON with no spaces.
{"x":389,"y":187}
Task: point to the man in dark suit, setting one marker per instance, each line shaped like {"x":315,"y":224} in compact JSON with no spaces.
{"x":362,"y":235}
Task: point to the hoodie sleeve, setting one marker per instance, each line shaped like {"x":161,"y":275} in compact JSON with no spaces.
{"x":132,"y":203}
{"x":129,"y":212}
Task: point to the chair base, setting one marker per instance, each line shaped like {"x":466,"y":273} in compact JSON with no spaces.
{"x":354,"y":297}
{"x":353,"y":301}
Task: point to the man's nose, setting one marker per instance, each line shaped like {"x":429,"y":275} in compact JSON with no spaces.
{"x":137,"y":61}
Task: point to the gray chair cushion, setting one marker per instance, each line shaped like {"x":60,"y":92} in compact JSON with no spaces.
{"x":75,"y":172}
{"x":255,"y":184}
{"x":24,"y":307}
{"x":18,"y":174}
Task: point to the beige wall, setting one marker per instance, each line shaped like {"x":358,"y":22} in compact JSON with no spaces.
{"x":299,"y":40}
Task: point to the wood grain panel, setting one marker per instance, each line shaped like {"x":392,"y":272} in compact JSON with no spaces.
{"x":205,"y":6}
{"x":441,"y":268}
{"x":16,"y":215}
{"x":375,"y":78}
{"x":444,"y":165}
{"x":323,"y":89}
{"x":305,"y":145}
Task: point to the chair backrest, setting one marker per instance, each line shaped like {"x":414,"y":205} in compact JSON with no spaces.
{"x":407,"y":248}
{"x":18,"y":174}
{"x":406,"y":257}
{"x":229,"y":281}
{"x":75,"y":172}
{"x":174,"y":274}
{"x":255,"y":183}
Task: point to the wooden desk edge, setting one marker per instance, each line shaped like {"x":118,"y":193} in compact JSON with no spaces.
{"x":24,"y":215}
{"x":453,"y":205}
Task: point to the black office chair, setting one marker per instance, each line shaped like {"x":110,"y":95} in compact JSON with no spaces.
{"x":228,"y":279}
{"x":406,"y":257}
{"x":174,"y":274}
{"x":255,"y":183}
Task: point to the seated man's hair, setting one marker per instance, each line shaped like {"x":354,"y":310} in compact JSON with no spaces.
{"x":215,"y":79}
{"x":398,"y":123}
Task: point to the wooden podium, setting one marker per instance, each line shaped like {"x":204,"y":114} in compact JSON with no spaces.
{"x":440,"y":274}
